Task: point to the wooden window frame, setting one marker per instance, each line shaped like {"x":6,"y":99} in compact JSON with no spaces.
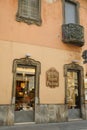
{"x":77,"y":10}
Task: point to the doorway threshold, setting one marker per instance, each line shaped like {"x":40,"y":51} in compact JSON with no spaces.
{"x":77,"y":119}
{"x":24,"y":123}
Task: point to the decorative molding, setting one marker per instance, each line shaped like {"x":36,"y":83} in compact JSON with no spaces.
{"x":26,"y":61}
{"x":52,"y":78}
{"x":72,"y":66}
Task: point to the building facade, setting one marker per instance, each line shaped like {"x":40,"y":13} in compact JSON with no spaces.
{"x":42,"y":71}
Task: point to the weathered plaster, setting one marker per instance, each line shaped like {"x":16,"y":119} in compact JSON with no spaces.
{"x":50,"y":1}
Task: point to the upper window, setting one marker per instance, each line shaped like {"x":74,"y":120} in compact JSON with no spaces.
{"x":29,"y":11}
{"x":71,"y":12}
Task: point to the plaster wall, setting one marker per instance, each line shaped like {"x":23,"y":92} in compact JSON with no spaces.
{"x":5,"y":72}
{"x":44,"y":43}
{"x":47,"y":56}
{"x":48,"y":34}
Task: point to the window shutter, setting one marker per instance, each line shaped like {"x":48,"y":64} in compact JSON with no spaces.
{"x":35,"y":9}
{"x":29,"y":11}
{"x":24,"y":8}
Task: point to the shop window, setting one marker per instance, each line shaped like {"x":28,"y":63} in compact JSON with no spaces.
{"x":29,"y":11}
{"x":74,"y":90}
{"x":70,"y":12}
{"x":25,"y":88}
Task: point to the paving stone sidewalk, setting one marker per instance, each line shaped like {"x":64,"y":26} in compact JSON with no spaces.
{"x":74,"y":125}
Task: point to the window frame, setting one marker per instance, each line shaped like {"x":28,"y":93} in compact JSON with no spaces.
{"x":77,"y":10}
{"x":29,"y":20}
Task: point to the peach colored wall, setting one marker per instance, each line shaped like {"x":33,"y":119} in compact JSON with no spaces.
{"x":83,"y":20}
{"x":5,"y":72}
{"x":48,"y":34}
{"x":44,"y":43}
{"x":47,"y":56}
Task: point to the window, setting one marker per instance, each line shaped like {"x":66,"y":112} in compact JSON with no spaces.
{"x":71,"y":12}
{"x":29,"y":11}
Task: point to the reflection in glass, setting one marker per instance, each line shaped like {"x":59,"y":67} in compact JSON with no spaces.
{"x":72,"y":89}
{"x":25,"y":89}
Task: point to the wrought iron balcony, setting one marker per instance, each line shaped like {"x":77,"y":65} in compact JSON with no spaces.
{"x":73,"y":34}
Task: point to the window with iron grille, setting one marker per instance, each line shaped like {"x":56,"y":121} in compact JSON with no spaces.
{"x":29,"y":11}
{"x":72,"y":31}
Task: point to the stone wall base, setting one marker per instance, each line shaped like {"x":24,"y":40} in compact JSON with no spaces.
{"x":51,"y":113}
{"x":6,"y":115}
{"x":44,"y":113}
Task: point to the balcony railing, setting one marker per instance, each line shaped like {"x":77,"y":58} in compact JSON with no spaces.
{"x":73,"y":34}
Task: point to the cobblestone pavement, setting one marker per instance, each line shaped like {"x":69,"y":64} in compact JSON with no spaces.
{"x":74,"y":125}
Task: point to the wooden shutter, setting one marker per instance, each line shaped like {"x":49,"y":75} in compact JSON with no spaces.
{"x":29,"y":11}
{"x":35,"y":9}
{"x":24,"y":8}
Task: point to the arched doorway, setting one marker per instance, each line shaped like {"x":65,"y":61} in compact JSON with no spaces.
{"x":74,"y":90}
{"x":26,"y":72}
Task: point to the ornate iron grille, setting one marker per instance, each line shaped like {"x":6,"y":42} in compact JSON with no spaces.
{"x":73,"y":34}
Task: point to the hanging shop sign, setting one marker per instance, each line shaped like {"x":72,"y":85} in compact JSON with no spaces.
{"x":84,"y":56}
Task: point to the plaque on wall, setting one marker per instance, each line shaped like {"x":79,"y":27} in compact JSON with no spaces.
{"x":52,"y":78}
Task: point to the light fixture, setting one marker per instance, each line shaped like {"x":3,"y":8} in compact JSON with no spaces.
{"x":28,"y":55}
{"x":75,"y":61}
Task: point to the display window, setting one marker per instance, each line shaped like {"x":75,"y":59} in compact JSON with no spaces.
{"x":25,"y":89}
{"x":73,"y":90}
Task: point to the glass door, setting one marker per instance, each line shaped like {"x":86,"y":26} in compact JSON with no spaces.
{"x":73,"y":94}
{"x":25,"y":94}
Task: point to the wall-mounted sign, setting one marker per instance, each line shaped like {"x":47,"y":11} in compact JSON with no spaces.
{"x":84,"y":56}
{"x":52,"y":78}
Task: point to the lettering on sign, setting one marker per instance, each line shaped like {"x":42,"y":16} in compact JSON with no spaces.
{"x":52,"y":78}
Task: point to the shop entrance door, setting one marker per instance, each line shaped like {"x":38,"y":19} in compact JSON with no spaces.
{"x":74,"y":94}
{"x":24,"y":94}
